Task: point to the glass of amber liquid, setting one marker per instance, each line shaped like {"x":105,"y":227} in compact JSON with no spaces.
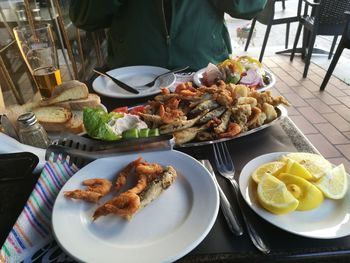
{"x":39,"y":51}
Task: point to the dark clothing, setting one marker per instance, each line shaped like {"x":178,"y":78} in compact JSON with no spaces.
{"x":139,"y":34}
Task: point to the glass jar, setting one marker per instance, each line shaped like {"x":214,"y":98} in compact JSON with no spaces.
{"x":31,"y":132}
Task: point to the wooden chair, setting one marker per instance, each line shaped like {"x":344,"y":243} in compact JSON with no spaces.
{"x":269,"y":17}
{"x":344,"y":43}
{"x":325,"y":17}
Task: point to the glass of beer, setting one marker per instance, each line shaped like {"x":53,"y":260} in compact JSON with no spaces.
{"x":39,"y":51}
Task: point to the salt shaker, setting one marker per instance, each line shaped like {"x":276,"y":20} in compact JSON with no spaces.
{"x":31,"y":132}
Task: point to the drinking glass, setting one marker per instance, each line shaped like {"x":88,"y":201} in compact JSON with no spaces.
{"x":38,"y":49}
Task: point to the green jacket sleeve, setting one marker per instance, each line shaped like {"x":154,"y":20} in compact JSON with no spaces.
{"x":91,"y":15}
{"x":244,"y":9}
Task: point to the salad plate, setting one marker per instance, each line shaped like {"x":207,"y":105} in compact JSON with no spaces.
{"x":164,"y":231}
{"x":133,"y":76}
{"x":330,"y":220}
{"x":198,"y":79}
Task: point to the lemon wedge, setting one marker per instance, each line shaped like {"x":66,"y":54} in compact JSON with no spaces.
{"x":270,"y":168}
{"x":293,"y":167}
{"x":314,"y":163}
{"x":334,"y":184}
{"x":308,"y":195}
{"x":274,"y":196}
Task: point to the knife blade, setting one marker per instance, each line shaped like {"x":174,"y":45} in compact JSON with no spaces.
{"x":227,"y":209}
{"x":117,"y":81}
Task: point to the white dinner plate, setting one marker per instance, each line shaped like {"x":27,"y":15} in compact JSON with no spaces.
{"x":197,"y":79}
{"x":167,"y":229}
{"x":330,"y":220}
{"x":133,"y":76}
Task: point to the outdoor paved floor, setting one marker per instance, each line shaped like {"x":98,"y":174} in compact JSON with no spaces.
{"x":324,"y":117}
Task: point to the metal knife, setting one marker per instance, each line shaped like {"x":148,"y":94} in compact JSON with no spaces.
{"x":118,"y":82}
{"x":225,"y":205}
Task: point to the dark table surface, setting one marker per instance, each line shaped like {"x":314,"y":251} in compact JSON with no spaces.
{"x":221,"y":245}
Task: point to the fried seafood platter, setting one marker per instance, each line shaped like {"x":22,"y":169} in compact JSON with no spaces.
{"x":151,"y":179}
{"x":196,"y":116}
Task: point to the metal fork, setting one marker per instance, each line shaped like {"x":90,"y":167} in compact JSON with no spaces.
{"x":226,"y":168}
{"x":151,"y":84}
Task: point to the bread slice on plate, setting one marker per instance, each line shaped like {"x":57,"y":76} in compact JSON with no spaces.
{"x":70,"y":90}
{"x":53,"y":118}
{"x":92,"y":101}
{"x":76,"y":123}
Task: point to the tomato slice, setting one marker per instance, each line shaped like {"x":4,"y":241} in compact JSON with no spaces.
{"x":124,"y":109}
{"x":135,"y":110}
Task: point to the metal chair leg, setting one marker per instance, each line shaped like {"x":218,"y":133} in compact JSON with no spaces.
{"x":332,"y":65}
{"x":267,"y":33}
{"x":309,"y":53}
{"x":287,"y":35}
{"x":296,"y":40}
{"x":250,"y":34}
{"x":332,"y":47}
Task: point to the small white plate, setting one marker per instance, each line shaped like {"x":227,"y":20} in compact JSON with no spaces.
{"x":167,"y":229}
{"x":330,"y":220}
{"x":133,"y":76}
{"x":197,"y":79}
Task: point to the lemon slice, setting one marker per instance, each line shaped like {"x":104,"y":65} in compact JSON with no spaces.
{"x":274,"y":196}
{"x":308,"y":195}
{"x":334,"y":184}
{"x":314,"y":163}
{"x":270,"y":168}
{"x":295,"y":168}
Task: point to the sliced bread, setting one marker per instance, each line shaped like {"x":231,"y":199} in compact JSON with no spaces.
{"x":70,"y":90}
{"x":93,"y":100}
{"x":52,"y":117}
{"x":76,"y":123}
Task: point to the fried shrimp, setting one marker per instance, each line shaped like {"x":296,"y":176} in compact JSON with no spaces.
{"x":140,"y":185}
{"x":102,"y":186}
{"x":148,"y":168}
{"x":85,"y":195}
{"x":125,"y":205}
{"x":96,"y":188}
{"x":232,"y":130}
{"x":125,"y":172}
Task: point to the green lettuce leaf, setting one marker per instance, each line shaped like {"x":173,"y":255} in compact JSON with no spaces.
{"x":96,"y":124}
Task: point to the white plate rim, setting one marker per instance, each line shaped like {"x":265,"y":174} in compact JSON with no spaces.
{"x":197,"y":76}
{"x":100,"y":89}
{"x":203,"y":226}
{"x":293,"y":222}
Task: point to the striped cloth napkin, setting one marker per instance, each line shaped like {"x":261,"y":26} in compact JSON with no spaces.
{"x":32,"y":230}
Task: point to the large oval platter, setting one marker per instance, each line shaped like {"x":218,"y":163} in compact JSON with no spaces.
{"x":281,"y":113}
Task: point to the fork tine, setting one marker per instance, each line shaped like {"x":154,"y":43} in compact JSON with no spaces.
{"x":228,"y":159}
{"x":216,"y":154}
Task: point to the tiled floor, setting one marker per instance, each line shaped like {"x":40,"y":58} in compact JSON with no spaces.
{"x":324,"y":117}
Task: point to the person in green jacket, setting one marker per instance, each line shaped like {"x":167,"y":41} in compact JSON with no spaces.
{"x":164,"y":33}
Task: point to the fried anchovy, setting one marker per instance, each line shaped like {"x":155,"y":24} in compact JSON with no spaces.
{"x":188,"y":134}
{"x":179,"y":124}
{"x":224,"y":122}
{"x":212,"y":114}
{"x":205,"y":105}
